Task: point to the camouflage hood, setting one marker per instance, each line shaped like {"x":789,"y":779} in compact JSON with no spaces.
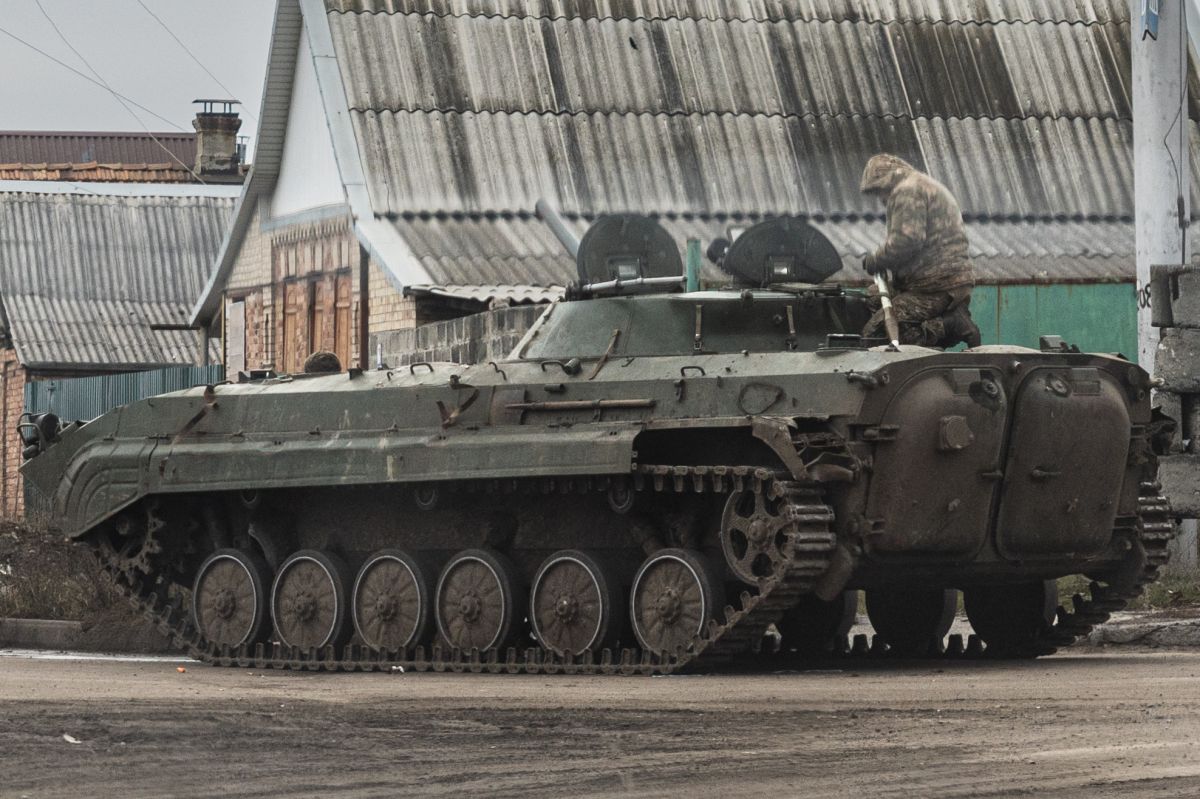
{"x":884,"y":172}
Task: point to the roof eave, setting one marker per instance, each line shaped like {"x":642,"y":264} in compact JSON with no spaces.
{"x":272,"y":115}
{"x":381,"y":240}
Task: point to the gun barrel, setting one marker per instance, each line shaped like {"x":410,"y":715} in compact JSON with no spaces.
{"x":548,"y":214}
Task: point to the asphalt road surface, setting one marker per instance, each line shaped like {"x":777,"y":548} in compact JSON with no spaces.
{"x":1093,"y":724}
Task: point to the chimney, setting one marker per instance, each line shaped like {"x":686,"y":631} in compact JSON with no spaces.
{"x":217,"y":151}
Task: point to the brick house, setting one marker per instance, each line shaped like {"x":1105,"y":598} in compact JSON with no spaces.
{"x":106,"y":239}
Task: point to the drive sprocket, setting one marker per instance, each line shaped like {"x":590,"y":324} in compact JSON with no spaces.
{"x":132,"y":542}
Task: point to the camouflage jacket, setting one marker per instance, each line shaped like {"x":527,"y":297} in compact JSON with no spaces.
{"x":926,"y":246}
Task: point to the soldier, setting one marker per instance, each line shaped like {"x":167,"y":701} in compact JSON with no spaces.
{"x":926,"y":252}
{"x":322,"y":361}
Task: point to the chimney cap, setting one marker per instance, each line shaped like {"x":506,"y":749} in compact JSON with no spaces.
{"x":209,"y":103}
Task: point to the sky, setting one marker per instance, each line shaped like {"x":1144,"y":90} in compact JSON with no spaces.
{"x":136,"y":56}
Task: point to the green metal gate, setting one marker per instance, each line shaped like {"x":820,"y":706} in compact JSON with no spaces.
{"x":83,"y":398}
{"x":1097,"y":317}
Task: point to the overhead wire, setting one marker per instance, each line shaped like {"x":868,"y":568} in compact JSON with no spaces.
{"x":88,"y":78}
{"x":119,"y":98}
{"x":228,"y":92}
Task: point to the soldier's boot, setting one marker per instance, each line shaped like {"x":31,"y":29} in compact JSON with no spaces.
{"x":959,"y":326}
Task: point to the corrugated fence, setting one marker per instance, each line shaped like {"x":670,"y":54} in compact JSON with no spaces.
{"x":82,"y":398}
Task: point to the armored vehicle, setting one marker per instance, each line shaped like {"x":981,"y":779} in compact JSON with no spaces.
{"x":654,"y":478}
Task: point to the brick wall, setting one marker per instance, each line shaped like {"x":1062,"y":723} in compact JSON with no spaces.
{"x":299,"y":283}
{"x":12,"y":403}
{"x":300,"y":287}
{"x":252,"y":268}
{"x":483,"y":337}
{"x":390,"y":310}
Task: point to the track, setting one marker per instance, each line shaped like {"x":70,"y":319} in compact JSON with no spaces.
{"x":810,"y":546}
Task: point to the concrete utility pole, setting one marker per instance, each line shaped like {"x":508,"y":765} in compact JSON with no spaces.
{"x":1161,"y":162}
{"x":1162,"y":210}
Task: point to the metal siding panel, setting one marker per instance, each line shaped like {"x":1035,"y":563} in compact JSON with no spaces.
{"x":1016,"y":315}
{"x":85,"y":398}
{"x":69,"y":147}
{"x":1096,"y":318}
{"x":986,"y":312}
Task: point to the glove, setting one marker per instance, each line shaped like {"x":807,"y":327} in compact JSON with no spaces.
{"x":869,"y":265}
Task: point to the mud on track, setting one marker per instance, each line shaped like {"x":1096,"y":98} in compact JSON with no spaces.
{"x":1093,"y":725}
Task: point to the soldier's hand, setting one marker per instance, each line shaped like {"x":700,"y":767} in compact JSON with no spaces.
{"x":868,"y":264}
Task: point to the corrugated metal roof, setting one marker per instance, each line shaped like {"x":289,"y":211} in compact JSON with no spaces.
{"x":487,"y":295}
{"x":739,"y":164}
{"x":1014,"y":70}
{"x":415,"y":62}
{"x":982,"y":11}
{"x":93,"y":172}
{"x":412,"y":62}
{"x":464,"y":252}
{"x":466,"y":112}
{"x":82,"y":277}
{"x":608,"y":111}
{"x":593,"y":164}
{"x":78,"y":147}
{"x":480,"y":251}
{"x":1033,"y":167}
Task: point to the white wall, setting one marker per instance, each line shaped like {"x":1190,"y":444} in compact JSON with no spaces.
{"x":308,"y":173}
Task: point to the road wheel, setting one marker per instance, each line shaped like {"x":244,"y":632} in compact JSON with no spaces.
{"x":391,"y":598}
{"x":912,"y":620}
{"x":573,"y":604}
{"x":1011,"y":618}
{"x":308,"y":600}
{"x":229,"y":598}
{"x":476,"y":605}
{"x":814,"y":626}
{"x":674,"y":596}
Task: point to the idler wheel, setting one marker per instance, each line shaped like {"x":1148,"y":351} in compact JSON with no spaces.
{"x":309,"y":600}
{"x":814,"y":626}
{"x":912,"y":620}
{"x":674,"y":596}
{"x":1011,"y":618}
{"x":753,"y":535}
{"x":229,"y":598}
{"x":476,"y":604}
{"x":390,"y":601}
{"x":573,"y":605}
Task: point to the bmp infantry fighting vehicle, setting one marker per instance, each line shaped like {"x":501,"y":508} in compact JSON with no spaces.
{"x":654,"y":478}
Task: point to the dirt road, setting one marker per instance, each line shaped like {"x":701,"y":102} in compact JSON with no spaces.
{"x":1093,"y":725}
